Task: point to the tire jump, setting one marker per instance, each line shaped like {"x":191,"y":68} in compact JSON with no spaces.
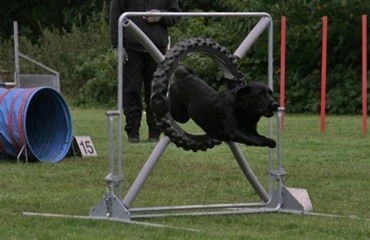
{"x":161,"y":80}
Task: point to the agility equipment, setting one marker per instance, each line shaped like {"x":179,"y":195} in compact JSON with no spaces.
{"x":35,"y":123}
{"x":23,"y":80}
{"x":277,"y":198}
{"x":114,"y":206}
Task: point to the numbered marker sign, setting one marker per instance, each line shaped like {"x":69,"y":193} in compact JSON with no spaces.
{"x":86,"y":146}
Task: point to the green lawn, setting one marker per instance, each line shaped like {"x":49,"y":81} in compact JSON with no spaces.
{"x":333,"y":167}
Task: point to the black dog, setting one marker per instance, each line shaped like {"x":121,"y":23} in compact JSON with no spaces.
{"x":228,"y":116}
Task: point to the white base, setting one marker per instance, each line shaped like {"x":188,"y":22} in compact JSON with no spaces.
{"x":302,"y":197}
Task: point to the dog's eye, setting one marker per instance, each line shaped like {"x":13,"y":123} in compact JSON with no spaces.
{"x":265,"y":92}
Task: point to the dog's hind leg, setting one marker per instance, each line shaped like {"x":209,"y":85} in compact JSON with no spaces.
{"x":177,"y":107}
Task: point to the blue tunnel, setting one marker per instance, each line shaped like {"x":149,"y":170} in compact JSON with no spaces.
{"x":37,"y":118}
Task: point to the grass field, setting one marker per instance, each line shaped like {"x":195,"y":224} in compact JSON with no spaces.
{"x":333,"y":166}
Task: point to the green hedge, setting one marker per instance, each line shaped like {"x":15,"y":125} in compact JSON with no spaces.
{"x":83,"y":56}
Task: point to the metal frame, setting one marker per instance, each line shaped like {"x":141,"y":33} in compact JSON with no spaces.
{"x":276,"y":199}
{"x":112,"y":207}
{"x":18,"y":75}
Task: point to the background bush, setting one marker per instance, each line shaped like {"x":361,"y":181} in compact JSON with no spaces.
{"x":76,"y":43}
{"x":82,"y":56}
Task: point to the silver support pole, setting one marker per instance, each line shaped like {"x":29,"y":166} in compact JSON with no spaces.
{"x":38,"y":63}
{"x":115,"y":181}
{"x":280,"y":113}
{"x":252,"y":37}
{"x":110,"y":141}
{"x":145,"y":171}
{"x":195,"y":14}
{"x":270,"y":75}
{"x":120,"y":95}
{"x":247,"y":170}
{"x":278,"y":173}
{"x":270,"y":55}
{"x":144,"y":40}
{"x":209,"y":213}
{"x":16,"y":54}
{"x":198,"y":207}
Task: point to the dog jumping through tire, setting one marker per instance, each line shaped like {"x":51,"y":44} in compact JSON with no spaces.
{"x":231,"y":115}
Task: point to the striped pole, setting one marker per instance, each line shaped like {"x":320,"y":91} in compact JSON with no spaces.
{"x":323,"y":70}
{"x":364,"y":73}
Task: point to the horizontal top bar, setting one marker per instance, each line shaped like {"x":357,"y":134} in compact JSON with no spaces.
{"x":197,"y":14}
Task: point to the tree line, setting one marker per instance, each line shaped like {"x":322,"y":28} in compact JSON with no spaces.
{"x":72,"y":37}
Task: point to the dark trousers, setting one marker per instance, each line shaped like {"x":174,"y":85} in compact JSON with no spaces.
{"x":138,"y":71}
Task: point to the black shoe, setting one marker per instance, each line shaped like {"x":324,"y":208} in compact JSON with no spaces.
{"x":153,"y":139}
{"x":133,"y":140}
{"x":154,"y":136}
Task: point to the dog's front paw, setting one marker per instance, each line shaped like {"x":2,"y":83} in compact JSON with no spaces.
{"x":268,"y":142}
{"x":271,"y":143}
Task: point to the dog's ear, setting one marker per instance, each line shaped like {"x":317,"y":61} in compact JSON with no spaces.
{"x":243,"y":91}
{"x":183,"y":71}
{"x":242,"y":94}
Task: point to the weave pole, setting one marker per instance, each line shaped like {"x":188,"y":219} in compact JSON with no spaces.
{"x":282,"y":67}
{"x":323,"y":70}
{"x":364,"y":73}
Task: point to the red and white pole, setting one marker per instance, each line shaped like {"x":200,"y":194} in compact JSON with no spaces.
{"x":323,"y":70}
{"x":364,"y":73}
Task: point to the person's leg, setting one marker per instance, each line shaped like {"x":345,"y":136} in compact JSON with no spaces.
{"x":150,"y":67}
{"x":132,"y":103}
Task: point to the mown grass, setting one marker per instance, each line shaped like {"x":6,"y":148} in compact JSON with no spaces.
{"x":332,"y":166}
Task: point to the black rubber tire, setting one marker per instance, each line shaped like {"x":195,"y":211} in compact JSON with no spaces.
{"x":164,"y":72}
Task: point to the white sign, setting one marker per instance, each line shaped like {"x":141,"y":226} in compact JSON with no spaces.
{"x":86,"y":146}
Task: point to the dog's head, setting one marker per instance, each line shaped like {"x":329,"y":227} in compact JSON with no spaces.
{"x":255,"y":99}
